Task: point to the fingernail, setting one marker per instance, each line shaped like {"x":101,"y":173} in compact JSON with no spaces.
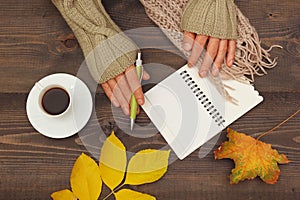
{"x":230,"y":62}
{"x":140,"y":101}
{"x":190,"y":64}
{"x":126,"y":111}
{"x":115,"y":102}
{"x":146,"y":76}
{"x":215,"y":71}
{"x":203,"y":73}
{"x":187,"y":46}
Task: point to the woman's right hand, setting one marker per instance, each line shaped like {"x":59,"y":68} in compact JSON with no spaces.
{"x":120,"y":88}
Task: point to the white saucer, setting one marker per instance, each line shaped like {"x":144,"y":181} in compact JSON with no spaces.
{"x":71,"y":122}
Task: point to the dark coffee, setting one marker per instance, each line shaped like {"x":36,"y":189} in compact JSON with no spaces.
{"x":55,"y":101}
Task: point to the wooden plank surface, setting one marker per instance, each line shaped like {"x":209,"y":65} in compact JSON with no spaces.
{"x":35,"y":41}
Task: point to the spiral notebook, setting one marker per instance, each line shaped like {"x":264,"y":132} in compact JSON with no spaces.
{"x":188,"y":110}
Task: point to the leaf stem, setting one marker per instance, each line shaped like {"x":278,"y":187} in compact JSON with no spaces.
{"x":280,"y":124}
{"x":114,"y":190}
{"x":108,"y":195}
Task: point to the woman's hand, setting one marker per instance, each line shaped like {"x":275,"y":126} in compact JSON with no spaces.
{"x":217,"y":50}
{"x":120,"y":88}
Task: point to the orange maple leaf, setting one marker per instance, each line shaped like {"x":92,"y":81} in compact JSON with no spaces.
{"x":252,"y":158}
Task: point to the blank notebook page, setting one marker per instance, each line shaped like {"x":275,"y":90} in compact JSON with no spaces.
{"x":188,"y":110}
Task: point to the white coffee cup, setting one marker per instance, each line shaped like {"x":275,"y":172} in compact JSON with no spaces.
{"x":54,"y":100}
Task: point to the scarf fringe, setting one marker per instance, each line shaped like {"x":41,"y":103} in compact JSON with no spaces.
{"x":250,"y":58}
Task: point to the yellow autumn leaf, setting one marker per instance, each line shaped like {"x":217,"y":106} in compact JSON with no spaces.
{"x":113,"y":161}
{"x":147,"y":166}
{"x":85,"y":179}
{"x":251,"y":157}
{"x":63,"y":195}
{"x":127,"y":194}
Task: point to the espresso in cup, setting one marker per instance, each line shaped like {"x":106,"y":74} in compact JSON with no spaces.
{"x":54,"y":100}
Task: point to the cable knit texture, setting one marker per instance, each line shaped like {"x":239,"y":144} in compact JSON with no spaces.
{"x":107,"y":51}
{"x":216,"y":18}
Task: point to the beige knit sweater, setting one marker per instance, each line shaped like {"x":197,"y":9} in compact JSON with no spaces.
{"x":109,"y":52}
{"x":215,"y":18}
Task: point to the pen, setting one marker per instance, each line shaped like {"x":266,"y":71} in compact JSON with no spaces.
{"x":133,"y":103}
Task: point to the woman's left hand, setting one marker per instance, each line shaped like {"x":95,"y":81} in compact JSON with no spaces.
{"x":217,"y":51}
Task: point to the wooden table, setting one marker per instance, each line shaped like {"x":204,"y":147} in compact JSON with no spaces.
{"x":35,"y":41}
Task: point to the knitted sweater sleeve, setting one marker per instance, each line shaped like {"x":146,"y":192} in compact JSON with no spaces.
{"x":108,"y":51}
{"x":216,"y":18}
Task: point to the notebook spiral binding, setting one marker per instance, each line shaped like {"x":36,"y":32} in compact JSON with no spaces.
{"x":207,"y":104}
